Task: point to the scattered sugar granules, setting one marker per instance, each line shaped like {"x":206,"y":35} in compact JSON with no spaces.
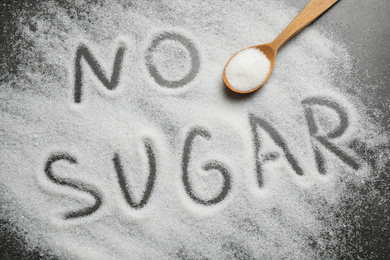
{"x":157,"y":160}
{"x":247,"y":69}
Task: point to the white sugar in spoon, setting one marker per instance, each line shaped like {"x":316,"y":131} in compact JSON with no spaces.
{"x":250,"y":68}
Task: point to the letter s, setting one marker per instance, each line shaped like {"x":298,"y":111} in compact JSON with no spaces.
{"x":78,"y":186}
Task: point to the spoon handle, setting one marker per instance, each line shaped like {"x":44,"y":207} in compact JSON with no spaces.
{"x":311,"y":12}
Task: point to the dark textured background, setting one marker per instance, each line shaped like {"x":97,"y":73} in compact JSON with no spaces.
{"x":364,"y":26}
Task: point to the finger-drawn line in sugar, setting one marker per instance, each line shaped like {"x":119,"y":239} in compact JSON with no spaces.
{"x":272,"y":156}
{"x":84,"y":53}
{"x":256,"y":122}
{"x":319,"y":101}
{"x":193,"y":53}
{"x":149,"y":184}
{"x":211,"y":165}
{"x":73,"y":184}
{"x":325,"y":139}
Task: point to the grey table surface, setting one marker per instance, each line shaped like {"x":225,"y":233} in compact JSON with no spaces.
{"x":364,"y":26}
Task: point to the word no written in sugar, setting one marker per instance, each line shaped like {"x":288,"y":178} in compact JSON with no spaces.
{"x":320,"y":141}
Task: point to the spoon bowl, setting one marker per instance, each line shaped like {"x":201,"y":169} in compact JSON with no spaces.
{"x":270,"y":53}
{"x":311,"y":12}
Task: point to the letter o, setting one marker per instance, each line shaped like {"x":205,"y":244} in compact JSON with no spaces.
{"x":193,"y":53}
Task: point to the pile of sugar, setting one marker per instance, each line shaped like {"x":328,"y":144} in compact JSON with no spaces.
{"x":170,"y":121}
{"x":247,"y":69}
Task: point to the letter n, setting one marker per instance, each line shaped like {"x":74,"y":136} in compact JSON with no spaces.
{"x":110,"y":84}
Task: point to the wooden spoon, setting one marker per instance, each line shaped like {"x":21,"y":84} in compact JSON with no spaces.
{"x":311,"y":12}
